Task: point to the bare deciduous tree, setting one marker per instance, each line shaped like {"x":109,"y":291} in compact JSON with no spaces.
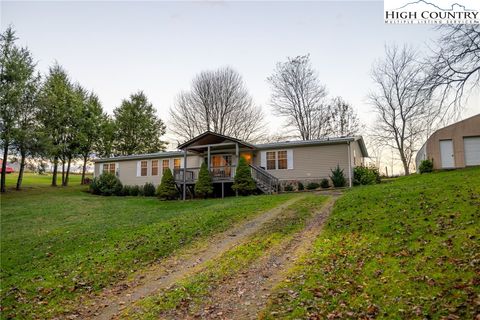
{"x":455,"y":66}
{"x":343,"y":119}
{"x":298,"y":95}
{"x":401,"y":102}
{"x":218,"y":101}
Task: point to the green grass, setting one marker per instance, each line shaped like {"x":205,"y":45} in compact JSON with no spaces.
{"x":190,"y":294}
{"x":32,"y":180}
{"x":407,"y":249}
{"x":60,"y":243}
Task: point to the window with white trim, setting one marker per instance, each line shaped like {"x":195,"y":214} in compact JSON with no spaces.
{"x":165,"y":165}
{"x":282,"y":159}
{"x":271,"y":160}
{"x":279,"y":160}
{"x":177,"y":164}
{"x":143,"y":168}
{"x":154,"y":167}
{"x":109,"y":167}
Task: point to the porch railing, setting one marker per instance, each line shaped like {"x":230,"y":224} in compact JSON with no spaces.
{"x":267,"y":182}
{"x":223,"y":172}
{"x":218,"y":173}
{"x":191,"y":174}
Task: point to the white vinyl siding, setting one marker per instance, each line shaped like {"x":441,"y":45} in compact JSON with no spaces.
{"x":312,"y":162}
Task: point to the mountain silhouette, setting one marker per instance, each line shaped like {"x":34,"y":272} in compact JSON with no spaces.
{"x":435,"y":6}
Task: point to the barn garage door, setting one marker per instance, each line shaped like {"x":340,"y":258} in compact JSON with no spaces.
{"x":472,"y":151}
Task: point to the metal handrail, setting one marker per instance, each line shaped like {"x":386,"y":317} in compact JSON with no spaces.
{"x":260,"y":174}
{"x":263,"y":171}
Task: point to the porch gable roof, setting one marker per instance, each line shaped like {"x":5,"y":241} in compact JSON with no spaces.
{"x":209,"y":138}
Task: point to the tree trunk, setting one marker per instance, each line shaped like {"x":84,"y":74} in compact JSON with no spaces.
{"x":405,"y":167}
{"x":22,"y":169}
{"x":404,"y":162}
{"x":63,"y":171}
{"x":84,"y":168}
{"x":4,"y":166}
{"x":55,"y":172}
{"x":65,"y":183}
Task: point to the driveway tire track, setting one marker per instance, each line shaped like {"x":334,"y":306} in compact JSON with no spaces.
{"x":115,"y":299}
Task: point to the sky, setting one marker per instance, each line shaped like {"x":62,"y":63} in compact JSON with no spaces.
{"x":118,"y":48}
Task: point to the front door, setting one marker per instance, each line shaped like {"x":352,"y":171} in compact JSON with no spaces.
{"x":446,"y":154}
{"x":221,"y":166}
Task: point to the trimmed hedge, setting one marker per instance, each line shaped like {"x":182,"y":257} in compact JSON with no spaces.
{"x":325,"y":183}
{"x":107,"y":184}
{"x":313,"y":186}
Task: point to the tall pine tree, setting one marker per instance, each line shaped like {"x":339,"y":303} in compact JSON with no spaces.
{"x":17,"y":73}
{"x":167,"y":190}
{"x":243,"y":182}
{"x":204,"y":185}
{"x":138,"y":129}
{"x":54,"y":115}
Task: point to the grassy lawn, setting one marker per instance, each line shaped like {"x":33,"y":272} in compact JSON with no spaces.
{"x":407,"y":249}
{"x":193,"y":293}
{"x":59,"y":243}
{"x":32,"y":180}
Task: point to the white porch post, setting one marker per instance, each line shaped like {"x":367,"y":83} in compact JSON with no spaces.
{"x":237,"y":153}
{"x":349,"y":166}
{"x":184,"y":174}
{"x":208,"y":158}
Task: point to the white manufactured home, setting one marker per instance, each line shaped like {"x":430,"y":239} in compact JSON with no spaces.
{"x":272,"y":164}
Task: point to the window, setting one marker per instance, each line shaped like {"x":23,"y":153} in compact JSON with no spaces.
{"x":109,"y":167}
{"x":278,"y":160}
{"x":176,"y":164}
{"x":221,"y":165}
{"x":165,"y":165}
{"x":154,"y":167}
{"x":282,"y":159}
{"x":143,"y":168}
{"x":271,"y":160}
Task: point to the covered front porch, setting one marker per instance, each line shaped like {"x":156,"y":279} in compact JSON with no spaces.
{"x":221,"y":155}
